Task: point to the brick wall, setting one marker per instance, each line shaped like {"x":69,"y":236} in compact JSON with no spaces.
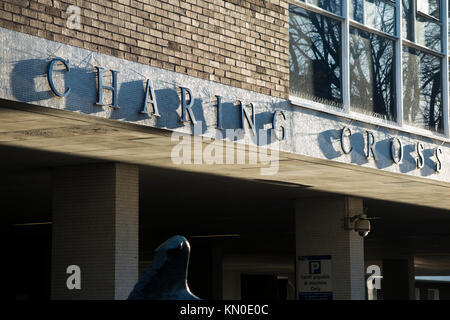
{"x":242,"y":43}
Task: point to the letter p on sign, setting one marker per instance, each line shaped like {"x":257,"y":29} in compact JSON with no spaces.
{"x":74,"y":280}
{"x":314,"y":267}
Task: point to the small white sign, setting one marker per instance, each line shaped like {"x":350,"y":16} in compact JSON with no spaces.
{"x":314,"y":278}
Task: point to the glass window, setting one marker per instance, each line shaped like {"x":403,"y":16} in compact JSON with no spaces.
{"x":408,"y":17}
{"x":315,"y":57}
{"x":372,"y":74}
{"x":428,"y":33}
{"x":421,"y":23}
{"x":333,"y":6}
{"x":377,"y":14}
{"x":429,"y":7}
{"x":422,"y":90}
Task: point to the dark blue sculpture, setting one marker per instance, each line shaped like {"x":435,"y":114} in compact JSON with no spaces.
{"x":166,"y":277}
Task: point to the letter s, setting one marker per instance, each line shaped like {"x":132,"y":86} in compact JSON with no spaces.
{"x":438,"y":152}
{"x":420,"y":161}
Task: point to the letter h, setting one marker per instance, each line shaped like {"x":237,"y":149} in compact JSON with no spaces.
{"x":101,"y":87}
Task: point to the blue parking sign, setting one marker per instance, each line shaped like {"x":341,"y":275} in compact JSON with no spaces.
{"x":315,"y":267}
{"x":314,"y":277}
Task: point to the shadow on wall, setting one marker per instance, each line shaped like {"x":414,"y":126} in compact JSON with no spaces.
{"x":29,"y":84}
{"x":23,"y":80}
{"x":329,"y":144}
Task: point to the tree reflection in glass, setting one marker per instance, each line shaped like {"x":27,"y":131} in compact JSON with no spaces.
{"x":428,"y":33}
{"x":315,"y":57}
{"x":333,"y":6}
{"x":408,"y":20}
{"x":429,"y":7}
{"x":422,"y":90}
{"x":372,"y":74}
{"x":377,"y":14}
{"x":424,"y":30}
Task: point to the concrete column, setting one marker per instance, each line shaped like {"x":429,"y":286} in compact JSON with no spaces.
{"x":320,"y":231}
{"x":398,"y":279}
{"x":95,"y":226}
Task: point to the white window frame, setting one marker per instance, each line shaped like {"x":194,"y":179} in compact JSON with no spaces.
{"x":346,"y":111}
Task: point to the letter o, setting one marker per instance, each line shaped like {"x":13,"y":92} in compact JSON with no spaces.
{"x":398,"y":159}
{"x":257,"y":309}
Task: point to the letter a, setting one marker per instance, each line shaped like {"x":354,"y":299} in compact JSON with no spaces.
{"x":74,"y":280}
{"x":152,"y":100}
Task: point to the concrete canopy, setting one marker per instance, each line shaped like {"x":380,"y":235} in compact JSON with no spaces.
{"x":62,"y":132}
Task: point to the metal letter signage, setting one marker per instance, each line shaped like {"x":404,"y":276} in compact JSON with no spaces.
{"x":187,"y":107}
{"x":50,"y":76}
{"x":420,"y":161}
{"x":395,"y":149}
{"x":244,"y":115}
{"x":101,"y":87}
{"x":346,"y":132}
{"x":219,"y":112}
{"x":275,"y":125}
{"x":149,"y":91}
{"x":391,"y":149}
{"x":397,"y":157}
{"x":370,"y":142}
{"x":438,"y":153}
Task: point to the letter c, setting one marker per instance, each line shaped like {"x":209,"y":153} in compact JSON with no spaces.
{"x":346,"y":132}
{"x":50,"y":76}
{"x":263,"y":309}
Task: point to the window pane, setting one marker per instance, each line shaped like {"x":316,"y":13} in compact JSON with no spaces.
{"x":315,"y":57}
{"x":377,"y":14}
{"x":422,"y":90}
{"x":428,"y":33}
{"x":333,"y":6}
{"x":372,"y":74}
{"x":429,"y":7}
{"x":408,"y":20}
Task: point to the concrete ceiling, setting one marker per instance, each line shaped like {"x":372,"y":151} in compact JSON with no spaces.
{"x":33,"y":140}
{"x":73,"y":138}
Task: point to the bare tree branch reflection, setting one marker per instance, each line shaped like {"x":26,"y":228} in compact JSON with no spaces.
{"x":372,"y":74}
{"x":315,"y":55}
{"x":422,"y":89}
